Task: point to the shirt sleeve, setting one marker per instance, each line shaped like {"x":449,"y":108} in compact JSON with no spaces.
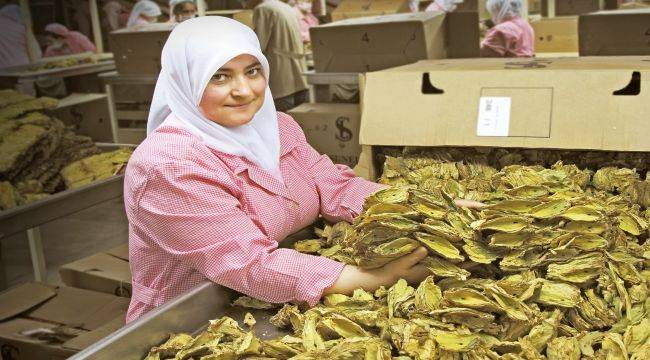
{"x":197,"y":221}
{"x":498,"y":41}
{"x":342,"y":193}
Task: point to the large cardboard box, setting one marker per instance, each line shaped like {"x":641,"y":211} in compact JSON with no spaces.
{"x":106,"y":272}
{"x":244,"y":16}
{"x":43,"y":322}
{"x":137,"y":49}
{"x":87,"y":114}
{"x":348,"y":9}
{"x":615,"y":32}
{"x":556,"y":35}
{"x":376,"y":43}
{"x":571,"y":7}
{"x":590,"y":103}
{"x":332,"y":129}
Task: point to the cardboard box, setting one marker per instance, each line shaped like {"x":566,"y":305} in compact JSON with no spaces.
{"x":106,"y":272}
{"x":559,"y":34}
{"x":87,"y":114}
{"x":243,"y":16}
{"x":571,"y":7}
{"x":137,"y":49}
{"x":348,"y":9}
{"x":510,"y":103}
{"x":332,"y":129}
{"x":376,"y":43}
{"x":615,"y":32}
{"x":30,"y":313}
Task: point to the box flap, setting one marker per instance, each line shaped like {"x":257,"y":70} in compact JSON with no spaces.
{"x":643,"y":11}
{"x":120,"y":252}
{"x":22,"y":298}
{"x":88,"y":338}
{"x":81,"y":308}
{"x":385,"y":19}
{"x":606,"y":100}
{"x":155,"y":27}
{"x":109,"y":266}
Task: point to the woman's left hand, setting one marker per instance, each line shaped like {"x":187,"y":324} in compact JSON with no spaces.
{"x":469,"y":204}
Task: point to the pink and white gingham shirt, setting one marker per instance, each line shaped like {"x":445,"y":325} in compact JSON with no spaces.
{"x":196,"y":214}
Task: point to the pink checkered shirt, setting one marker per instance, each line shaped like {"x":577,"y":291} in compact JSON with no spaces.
{"x":196,"y":214}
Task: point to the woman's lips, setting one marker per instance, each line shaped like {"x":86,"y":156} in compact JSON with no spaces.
{"x":239,"y":107}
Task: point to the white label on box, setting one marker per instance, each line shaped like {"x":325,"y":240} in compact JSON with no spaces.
{"x":493,"y":116}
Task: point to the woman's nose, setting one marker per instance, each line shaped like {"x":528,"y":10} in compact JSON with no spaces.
{"x":241,"y":87}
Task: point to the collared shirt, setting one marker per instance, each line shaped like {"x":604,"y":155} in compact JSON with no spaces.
{"x":511,"y":38}
{"x":277,"y":28}
{"x":195,"y":214}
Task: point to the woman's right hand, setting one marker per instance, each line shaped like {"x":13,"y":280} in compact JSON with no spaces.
{"x":405,"y":267}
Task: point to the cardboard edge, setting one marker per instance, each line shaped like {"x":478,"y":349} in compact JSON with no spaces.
{"x":26,"y":297}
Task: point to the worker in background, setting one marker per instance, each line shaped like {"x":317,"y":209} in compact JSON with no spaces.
{"x":306,"y":19}
{"x":62,"y":41}
{"x":13,"y":37}
{"x":222,"y":179}
{"x":443,"y":5}
{"x":181,"y":10}
{"x":277,"y":28}
{"x":144,"y":12}
{"x":116,"y":15}
{"x":511,"y":35}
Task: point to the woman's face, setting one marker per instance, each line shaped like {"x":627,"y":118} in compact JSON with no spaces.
{"x":235,"y":93}
{"x":184,"y":11}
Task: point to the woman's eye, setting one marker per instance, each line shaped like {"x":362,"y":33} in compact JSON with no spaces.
{"x":219,"y":77}
{"x":253,"y":71}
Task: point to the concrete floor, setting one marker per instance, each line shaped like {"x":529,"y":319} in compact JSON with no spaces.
{"x":67,"y":239}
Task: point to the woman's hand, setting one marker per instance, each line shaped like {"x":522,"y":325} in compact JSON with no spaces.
{"x":405,"y":267}
{"x":469,"y":204}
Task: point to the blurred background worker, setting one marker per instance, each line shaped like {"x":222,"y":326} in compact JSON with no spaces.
{"x":277,"y":28}
{"x":62,"y":41}
{"x":13,"y":37}
{"x":511,"y":35}
{"x":144,"y":12}
{"x":116,"y":15}
{"x":443,"y":5}
{"x":306,"y":18}
{"x":181,"y":10}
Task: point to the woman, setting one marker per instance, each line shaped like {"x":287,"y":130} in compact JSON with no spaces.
{"x":144,"y":12}
{"x":13,"y":37}
{"x":222,"y":178}
{"x":511,"y":36}
{"x":181,"y":10}
{"x":65,"y":42}
{"x":443,"y":5}
{"x":306,"y":19}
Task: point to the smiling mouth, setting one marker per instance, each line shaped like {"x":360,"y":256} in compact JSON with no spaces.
{"x":238,"y":107}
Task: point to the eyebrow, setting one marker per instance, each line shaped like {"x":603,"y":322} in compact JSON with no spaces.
{"x":225,"y":69}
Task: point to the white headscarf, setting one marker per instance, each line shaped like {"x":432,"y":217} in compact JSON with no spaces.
{"x":195,"y":50}
{"x":143,"y":7}
{"x":502,"y":10}
{"x":443,"y":5}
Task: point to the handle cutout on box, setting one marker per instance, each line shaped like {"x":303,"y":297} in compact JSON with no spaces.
{"x":633,"y":88}
{"x":427,"y":87}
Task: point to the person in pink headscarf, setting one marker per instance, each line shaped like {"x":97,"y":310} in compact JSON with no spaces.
{"x":306,"y":18}
{"x":66,"y":42}
{"x":512,"y":35}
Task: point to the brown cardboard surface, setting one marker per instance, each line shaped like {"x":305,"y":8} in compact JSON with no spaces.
{"x":615,"y":32}
{"x":16,"y":346}
{"x":87,"y":114}
{"x":22,"y":298}
{"x":120,"y":252}
{"x":559,"y":34}
{"x":88,"y":338}
{"x":99,"y":272}
{"x":81,"y":308}
{"x":552,"y":101}
{"x":571,"y":7}
{"x":332,"y":129}
{"x":348,"y":9}
{"x":137,"y":50}
{"x":376,"y":43}
{"x":242,"y":15}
